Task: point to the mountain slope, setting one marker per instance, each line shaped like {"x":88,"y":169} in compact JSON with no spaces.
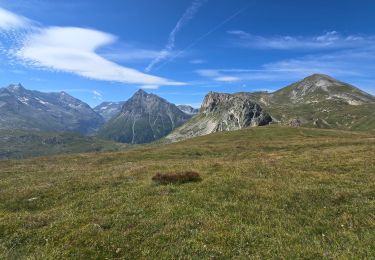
{"x":321,"y":101}
{"x":222,"y":112}
{"x":55,"y":112}
{"x":143,"y":118}
{"x":319,"y":87}
{"x":109,"y":109}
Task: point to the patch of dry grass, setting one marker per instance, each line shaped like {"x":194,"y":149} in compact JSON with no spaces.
{"x":176,"y":178}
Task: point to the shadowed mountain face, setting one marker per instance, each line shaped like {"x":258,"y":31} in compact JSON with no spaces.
{"x":56,"y":112}
{"x":143,"y":118}
{"x":109,"y":109}
{"x":222,"y":112}
{"x":320,"y":101}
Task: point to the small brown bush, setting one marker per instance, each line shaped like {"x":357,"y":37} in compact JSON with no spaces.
{"x":179,"y":178}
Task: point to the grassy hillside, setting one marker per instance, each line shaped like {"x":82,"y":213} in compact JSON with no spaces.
{"x":266,"y":192}
{"x":15,"y":144}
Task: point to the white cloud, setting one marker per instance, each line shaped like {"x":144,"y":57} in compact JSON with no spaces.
{"x":186,"y":17}
{"x":97,"y":95}
{"x":149,"y":87}
{"x":329,"y":40}
{"x":67,"y":49}
{"x":354,"y":66}
{"x":217,"y":75}
{"x":227,"y":79}
{"x":9,"y":20}
{"x":72,"y":49}
{"x":208,"y":73}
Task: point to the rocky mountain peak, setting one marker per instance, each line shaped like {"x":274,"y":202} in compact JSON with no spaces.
{"x":16,"y":87}
{"x":140,"y":93}
{"x":318,"y":88}
{"x":144,"y":118}
{"x":316,"y":82}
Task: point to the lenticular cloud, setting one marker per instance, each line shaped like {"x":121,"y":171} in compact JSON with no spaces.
{"x":67,"y":49}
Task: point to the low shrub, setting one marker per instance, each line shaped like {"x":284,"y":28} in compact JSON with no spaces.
{"x":176,"y":178}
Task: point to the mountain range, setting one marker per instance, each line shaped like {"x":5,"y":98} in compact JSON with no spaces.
{"x":55,"y":112}
{"x":316,"y":101}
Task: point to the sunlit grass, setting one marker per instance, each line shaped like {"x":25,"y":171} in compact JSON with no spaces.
{"x":265,"y":192}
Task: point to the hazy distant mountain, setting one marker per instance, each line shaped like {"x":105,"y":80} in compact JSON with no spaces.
{"x":321,"y":101}
{"x":143,"y":118}
{"x":54,"y":112}
{"x":222,"y":112}
{"x":188,"y":109}
{"x":109,"y":109}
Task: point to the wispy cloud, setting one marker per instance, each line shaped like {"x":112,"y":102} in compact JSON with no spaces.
{"x":328,"y":40}
{"x":70,"y":49}
{"x":130,"y":53}
{"x":186,"y":17}
{"x":11,"y":21}
{"x":217,"y":75}
{"x":227,"y":79}
{"x":97,"y":95}
{"x":356,"y":65}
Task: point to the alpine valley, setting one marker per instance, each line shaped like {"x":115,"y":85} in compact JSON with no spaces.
{"x":274,"y":169}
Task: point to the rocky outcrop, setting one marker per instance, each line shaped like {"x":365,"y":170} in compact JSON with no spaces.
{"x":222,"y":112}
{"x":236,"y":111}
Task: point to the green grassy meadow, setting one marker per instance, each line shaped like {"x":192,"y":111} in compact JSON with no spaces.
{"x":268,"y":192}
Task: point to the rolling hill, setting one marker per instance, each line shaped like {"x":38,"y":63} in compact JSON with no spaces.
{"x":321,"y":101}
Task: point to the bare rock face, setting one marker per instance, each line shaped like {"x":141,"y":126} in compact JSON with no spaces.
{"x":295,"y":122}
{"x":222,"y":112}
{"x":234,"y":111}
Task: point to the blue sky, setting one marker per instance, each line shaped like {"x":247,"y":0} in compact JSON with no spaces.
{"x":106,"y":50}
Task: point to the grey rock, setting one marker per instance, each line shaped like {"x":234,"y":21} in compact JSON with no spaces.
{"x":222,"y":112}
